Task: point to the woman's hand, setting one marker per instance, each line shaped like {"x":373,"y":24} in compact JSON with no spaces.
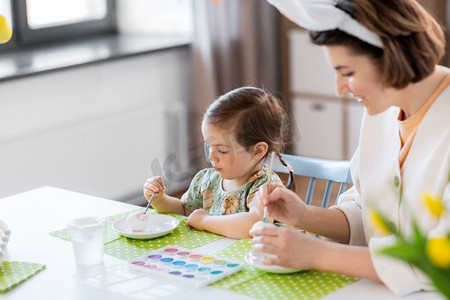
{"x":152,"y":185}
{"x":293,"y":247}
{"x":196,"y":219}
{"x":283,"y":204}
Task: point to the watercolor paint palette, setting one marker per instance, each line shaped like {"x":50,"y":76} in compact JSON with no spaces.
{"x":184,"y":265}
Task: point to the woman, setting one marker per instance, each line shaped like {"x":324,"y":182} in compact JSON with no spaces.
{"x":385,"y":54}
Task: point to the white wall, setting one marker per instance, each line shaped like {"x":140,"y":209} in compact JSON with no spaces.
{"x":93,"y":129}
{"x":326,"y":126}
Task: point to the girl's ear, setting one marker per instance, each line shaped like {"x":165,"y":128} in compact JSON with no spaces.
{"x":260,"y":150}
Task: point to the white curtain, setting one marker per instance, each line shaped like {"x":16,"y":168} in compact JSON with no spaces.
{"x":235,"y":43}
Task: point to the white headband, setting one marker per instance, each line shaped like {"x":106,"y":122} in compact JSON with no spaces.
{"x":321,"y":15}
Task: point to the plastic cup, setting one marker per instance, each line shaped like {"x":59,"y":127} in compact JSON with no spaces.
{"x":87,"y":239}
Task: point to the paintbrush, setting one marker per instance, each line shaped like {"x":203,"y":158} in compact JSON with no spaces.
{"x":150,"y":202}
{"x":272,"y":158}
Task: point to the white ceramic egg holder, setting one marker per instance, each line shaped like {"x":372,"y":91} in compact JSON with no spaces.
{"x":4,"y":238}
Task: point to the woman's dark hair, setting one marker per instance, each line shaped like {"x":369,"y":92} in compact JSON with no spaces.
{"x":413,"y":41}
{"x":254,"y":116}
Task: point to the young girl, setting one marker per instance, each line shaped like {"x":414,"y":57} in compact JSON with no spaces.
{"x":240,"y":128}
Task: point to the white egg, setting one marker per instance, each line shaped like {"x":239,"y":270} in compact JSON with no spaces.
{"x":261,"y":224}
{"x":256,"y":256}
{"x":138,"y":221}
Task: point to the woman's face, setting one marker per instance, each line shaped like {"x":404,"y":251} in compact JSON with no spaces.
{"x":358,"y":76}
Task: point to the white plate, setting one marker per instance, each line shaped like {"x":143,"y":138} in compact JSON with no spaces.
{"x":255,"y":261}
{"x":159,"y":225}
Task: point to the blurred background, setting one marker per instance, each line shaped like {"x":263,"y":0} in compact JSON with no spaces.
{"x":98,"y":95}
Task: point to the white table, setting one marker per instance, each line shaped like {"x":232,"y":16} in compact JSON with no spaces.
{"x":32,"y":215}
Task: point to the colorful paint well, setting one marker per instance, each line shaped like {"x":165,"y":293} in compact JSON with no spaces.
{"x":171,"y":250}
{"x":220,"y":262}
{"x":150,"y":266}
{"x":207,"y":260}
{"x":195,"y":256}
{"x":204,"y":269}
{"x":191,"y":267}
{"x":180,"y":264}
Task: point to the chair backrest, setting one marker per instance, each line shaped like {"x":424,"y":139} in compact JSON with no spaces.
{"x":315,"y":168}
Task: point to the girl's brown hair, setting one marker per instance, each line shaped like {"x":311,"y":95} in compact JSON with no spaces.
{"x":254,"y":116}
{"x":413,"y":41}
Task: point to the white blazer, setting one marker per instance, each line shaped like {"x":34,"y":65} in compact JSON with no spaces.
{"x":377,"y":179}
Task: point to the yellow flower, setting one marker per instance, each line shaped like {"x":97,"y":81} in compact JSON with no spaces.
{"x":377,"y":222}
{"x":5,"y":30}
{"x":434,"y":204}
{"x":438,"y":251}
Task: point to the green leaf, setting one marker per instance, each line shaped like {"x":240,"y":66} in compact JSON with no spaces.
{"x":405,"y":253}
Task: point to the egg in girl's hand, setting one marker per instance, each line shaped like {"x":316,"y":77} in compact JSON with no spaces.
{"x":138,"y":221}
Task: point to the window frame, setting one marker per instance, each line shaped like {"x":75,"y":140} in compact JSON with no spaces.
{"x":26,"y":36}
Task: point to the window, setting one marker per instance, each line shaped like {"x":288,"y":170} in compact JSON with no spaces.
{"x":5,"y":9}
{"x":168,"y":17}
{"x":38,"y":21}
{"x":63,"y":12}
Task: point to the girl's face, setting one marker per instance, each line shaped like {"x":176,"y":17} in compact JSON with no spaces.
{"x":231,"y":160}
{"x":358,"y":75}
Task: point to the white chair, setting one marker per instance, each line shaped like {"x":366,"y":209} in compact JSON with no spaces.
{"x":316,"y":168}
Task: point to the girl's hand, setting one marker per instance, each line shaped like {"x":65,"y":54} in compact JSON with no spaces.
{"x":152,"y":185}
{"x":196,"y":218}
{"x":293,"y":247}
{"x":283,"y":204}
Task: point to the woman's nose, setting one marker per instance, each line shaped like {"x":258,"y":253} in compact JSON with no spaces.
{"x":342,"y":87}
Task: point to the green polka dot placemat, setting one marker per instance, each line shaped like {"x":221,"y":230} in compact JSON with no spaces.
{"x":258,"y":284}
{"x":12,"y":273}
{"x":183,"y":236}
{"x":110,"y":234}
{"x":127,"y":249}
{"x":237,"y":251}
{"x":301,"y":285}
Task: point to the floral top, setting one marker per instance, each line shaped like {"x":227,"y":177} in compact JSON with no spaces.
{"x":206,"y":192}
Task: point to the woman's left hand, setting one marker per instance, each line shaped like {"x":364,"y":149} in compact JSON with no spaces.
{"x":196,"y":218}
{"x":294,"y":248}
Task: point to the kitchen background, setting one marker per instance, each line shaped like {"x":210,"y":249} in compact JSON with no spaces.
{"x":103,"y":110}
